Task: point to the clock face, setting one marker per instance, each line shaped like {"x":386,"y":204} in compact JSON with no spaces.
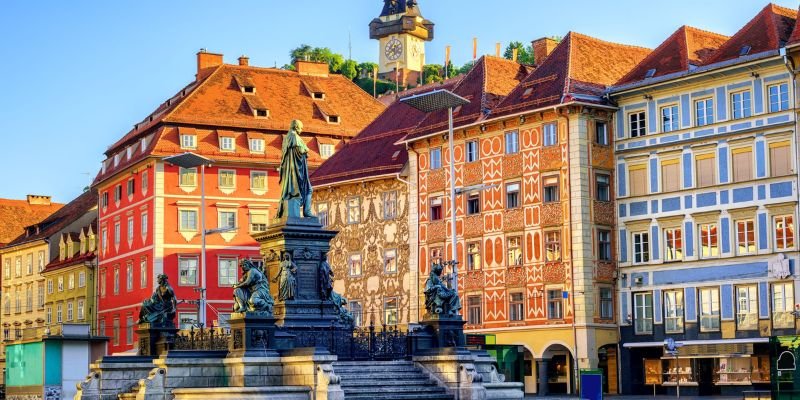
{"x":415,"y":49}
{"x":393,"y":50}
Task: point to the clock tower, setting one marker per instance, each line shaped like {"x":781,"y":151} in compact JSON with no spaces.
{"x":402,"y":32}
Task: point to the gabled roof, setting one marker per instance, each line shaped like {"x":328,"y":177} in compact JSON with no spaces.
{"x":15,"y":215}
{"x":217,"y":101}
{"x":686,"y":46}
{"x":795,"y":38}
{"x":770,"y":29}
{"x":485,"y":85}
{"x":375,"y":152}
{"x":579,"y":68}
{"x":59,"y":219}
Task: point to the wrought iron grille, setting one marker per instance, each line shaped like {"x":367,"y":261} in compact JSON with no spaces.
{"x":202,"y":339}
{"x":386,"y":343}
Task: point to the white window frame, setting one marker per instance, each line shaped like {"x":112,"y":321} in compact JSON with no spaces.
{"x":390,"y":205}
{"x":745,"y":107}
{"x":472,"y":154}
{"x":259,"y":214}
{"x":353,"y":260}
{"x":254,"y":178}
{"x":229,"y":173}
{"x":187,"y":177}
{"x":709,"y":309}
{"x":640,"y":123}
{"x":511,"y":142}
{"x":187,"y":228}
{"x":704,"y":111}
{"x":222,"y":213}
{"x":516,"y":306}
{"x":353,"y":210}
{"x":390,"y":261}
{"x":747,"y":244}
{"x":673,"y":244}
{"x":322,"y":214}
{"x":183,"y":279}
{"x":514,"y":251}
{"x":326,"y":150}
{"x":601,"y":136}
{"x":673,"y":311}
{"x":550,"y":134}
{"x":786,"y":240}
{"x":711,"y":236}
{"x":435,"y":158}
{"x":474,"y":256}
{"x":642,"y":255}
{"x":643,"y":313}
{"x":188,"y":141}
{"x":782,"y":91}
{"x":782,"y":296}
{"x":555,"y":304}
{"x":746,"y":307}
{"x":391,"y":311}
{"x":227,"y":143}
{"x":606,"y":302}
{"x":256,"y":145}
{"x":230,"y":274}
{"x":670,"y":118}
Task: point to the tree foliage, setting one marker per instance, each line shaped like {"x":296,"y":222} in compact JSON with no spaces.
{"x":349,"y":69}
{"x":524,"y":54}
{"x":432,"y":73}
{"x":305,"y":52}
{"x":365,"y":69}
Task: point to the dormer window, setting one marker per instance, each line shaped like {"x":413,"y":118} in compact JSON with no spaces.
{"x":245,"y":84}
{"x":257,"y":145}
{"x":261,"y":113}
{"x":83,"y":246}
{"x":333,"y":119}
{"x":62,"y":252}
{"x":70,"y":250}
{"x":188,"y":141}
{"x":226,"y":143}
{"x":325,"y":150}
{"x":91,"y":242}
{"x":248,"y":89}
{"x":527,"y":92}
{"x":116,"y":159}
{"x":129,"y":152}
{"x":318,"y":95}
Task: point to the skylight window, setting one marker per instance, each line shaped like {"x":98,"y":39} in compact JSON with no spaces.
{"x":248,"y":89}
{"x":650,"y":73}
{"x":333,"y":119}
{"x":261,"y":112}
{"x":318,"y":95}
{"x":745,"y":50}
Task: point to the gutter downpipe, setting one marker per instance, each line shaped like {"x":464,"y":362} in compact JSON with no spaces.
{"x":416,"y":277}
{"x":574,"y":385}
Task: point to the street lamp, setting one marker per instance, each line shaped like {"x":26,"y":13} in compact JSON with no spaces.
{"x":436,"y":100}
{"x":192,"y":160}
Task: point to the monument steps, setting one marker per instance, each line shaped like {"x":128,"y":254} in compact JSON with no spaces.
{"x":396,"y":380}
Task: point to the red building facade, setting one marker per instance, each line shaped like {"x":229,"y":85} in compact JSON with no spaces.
{"x":149,"y":211}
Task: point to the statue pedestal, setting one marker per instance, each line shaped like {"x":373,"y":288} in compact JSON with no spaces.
{"x":441,"y":334}
{"x":308,"y":244}
{"x":252,"y":335}
{"x":155,"y":340}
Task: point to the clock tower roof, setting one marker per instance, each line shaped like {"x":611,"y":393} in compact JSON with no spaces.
{"x":394,"y":7}
{"x":401,"y":17}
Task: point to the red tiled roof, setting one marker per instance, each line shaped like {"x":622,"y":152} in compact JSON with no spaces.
{"x":374,"y":151}
{"x":15,"y":215}
{"x":59,"y":219}
{"x":218,"y":102}
{"x":795,"y":38}
{"x":485,"y":86}
{"x":579,"y":65}
{"x":770,"y":29}
{"x":686,"y":46}
{"x":69,"y":262}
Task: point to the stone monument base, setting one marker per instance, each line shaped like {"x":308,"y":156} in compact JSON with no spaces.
{"x":252,"y":335}
{"x":155,"y":340}
{"x":445,"y":332}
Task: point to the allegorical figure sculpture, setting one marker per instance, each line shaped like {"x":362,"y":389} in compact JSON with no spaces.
{"x":287,"y":282}
{"x":160,"y":308}
{"x":439,"y":299}
{"x":295,"y":185}
{"x":251,"y":293}
{"x":345,"y":316}
{"x":325,"y":280}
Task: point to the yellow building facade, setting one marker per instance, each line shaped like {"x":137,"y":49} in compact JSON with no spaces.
{"x":23,"y":288}
{"x":69,"y":281}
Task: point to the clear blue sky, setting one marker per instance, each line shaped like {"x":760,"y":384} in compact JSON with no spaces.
{"x":77,"y":75}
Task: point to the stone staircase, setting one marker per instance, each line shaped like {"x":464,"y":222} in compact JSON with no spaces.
{"x":396,"y":380}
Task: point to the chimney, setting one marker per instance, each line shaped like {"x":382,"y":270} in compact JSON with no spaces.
{"x":206,"y":62}
{"x":244,"y":60}
{"x":542,"y":48}
{"x":311,"y":68}
{"x":35,"y":199}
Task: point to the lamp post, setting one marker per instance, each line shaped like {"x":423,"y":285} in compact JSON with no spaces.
{"x":436,"y":100}
{"x":192,"y":160}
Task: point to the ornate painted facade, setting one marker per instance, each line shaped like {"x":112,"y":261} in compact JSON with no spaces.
{"x":706,"y":160}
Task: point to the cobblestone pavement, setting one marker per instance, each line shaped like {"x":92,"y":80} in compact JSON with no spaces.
{"x":638,"y":397}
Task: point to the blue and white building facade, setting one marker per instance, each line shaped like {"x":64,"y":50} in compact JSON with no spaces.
{"x":707,"y":178}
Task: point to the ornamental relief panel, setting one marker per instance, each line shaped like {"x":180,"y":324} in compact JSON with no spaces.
{"x":515,"y":276}
{"x":474,"y":226}
{"x":604,"y":212}
{"x":605,"y":271}
{"x":550,"y":157}
{"x":513,"y":220}
{"x":436,"y":231}
{"x":473,"y":280}
{"x":551,"y":214}
{"x":602,"y":156}
{"x":512,"y":165}
{"x":473,"y":173}
{"x":436,"y":180}
{"x":554,"y":272}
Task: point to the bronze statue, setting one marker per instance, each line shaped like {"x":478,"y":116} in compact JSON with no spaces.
{"x":161,"y":307}
{"x":345,"y":316}
{"x":287,"y":283}
{"x":440,"y":299}
{"x":251,"y":293}
{"x":295,"y":185}
{"x":325,"y":280}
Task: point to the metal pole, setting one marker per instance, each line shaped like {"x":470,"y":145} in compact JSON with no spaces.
{"x":454,"y":253}
{"x":202,"y":314}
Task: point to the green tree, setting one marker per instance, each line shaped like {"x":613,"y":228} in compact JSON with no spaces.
{"x":465,"y":68}
{"x":432,"y":73}
{"x":365,"y":69}
{"x":524,"y":54}
{"x":349,"y":69}
{"x":303,"y":52}
{"x":318,"y":54}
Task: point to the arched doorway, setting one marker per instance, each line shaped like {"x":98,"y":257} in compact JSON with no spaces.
{"x":555,"y":370}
